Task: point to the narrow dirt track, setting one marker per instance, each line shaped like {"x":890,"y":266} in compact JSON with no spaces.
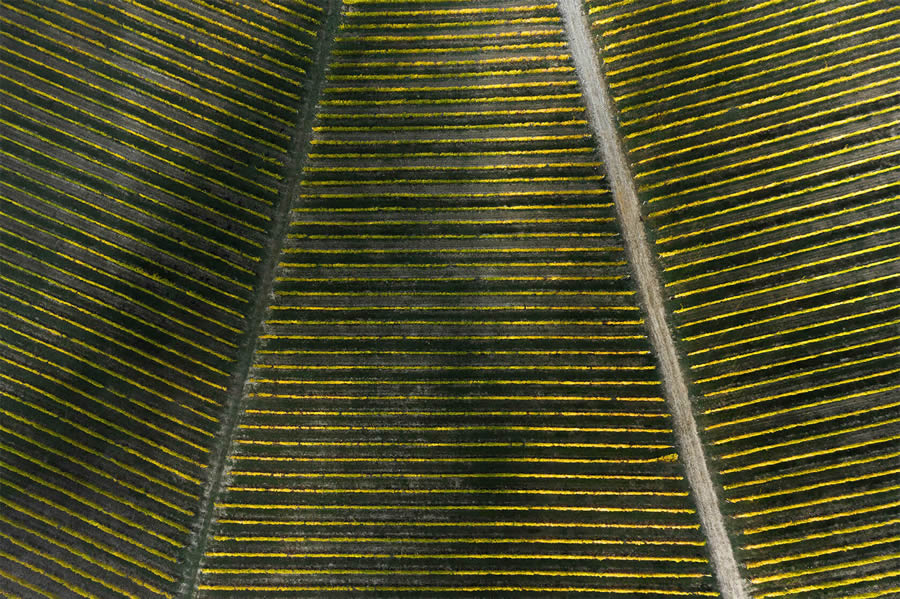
{"x":628,"y":207}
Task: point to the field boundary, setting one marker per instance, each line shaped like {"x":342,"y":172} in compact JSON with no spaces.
{"x":600,"y":116}
{"x":293,"y":168}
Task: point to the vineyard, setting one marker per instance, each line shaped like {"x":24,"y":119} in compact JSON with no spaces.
{"x":341,"y":299}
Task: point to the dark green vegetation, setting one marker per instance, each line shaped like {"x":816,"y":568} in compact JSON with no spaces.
{"x":452,"y":393}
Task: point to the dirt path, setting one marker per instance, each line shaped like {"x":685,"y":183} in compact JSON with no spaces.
{"x":600,"y":116}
